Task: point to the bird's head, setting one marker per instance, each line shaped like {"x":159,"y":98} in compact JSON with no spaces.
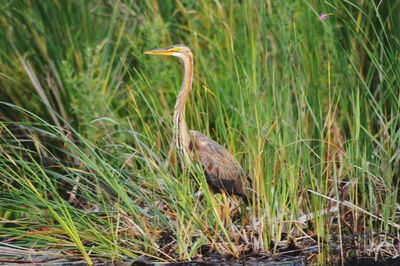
{"x":178,"y":50}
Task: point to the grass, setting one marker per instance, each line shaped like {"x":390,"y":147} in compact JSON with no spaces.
{"x":308,"y":104}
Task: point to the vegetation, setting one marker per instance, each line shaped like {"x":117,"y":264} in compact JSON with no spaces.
{"x":304,"y":93}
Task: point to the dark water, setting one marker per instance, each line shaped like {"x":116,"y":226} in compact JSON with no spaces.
{"x":213,"y":259}
{"x":222,"y":262}
{"x":279,"y":261}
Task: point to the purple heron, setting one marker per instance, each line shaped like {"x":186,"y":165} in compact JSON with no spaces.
{"x":222,"y":171}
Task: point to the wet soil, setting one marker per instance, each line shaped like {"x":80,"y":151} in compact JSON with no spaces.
{"x":292,"y":261}
{"x":214,"y":260}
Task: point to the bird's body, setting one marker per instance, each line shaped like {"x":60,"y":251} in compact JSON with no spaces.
{"x":222,"y":171}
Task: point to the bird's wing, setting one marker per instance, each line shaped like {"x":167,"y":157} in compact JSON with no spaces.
{"x":221,"y":169}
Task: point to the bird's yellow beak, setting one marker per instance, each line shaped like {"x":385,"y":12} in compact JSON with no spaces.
{"x":163,"y":51}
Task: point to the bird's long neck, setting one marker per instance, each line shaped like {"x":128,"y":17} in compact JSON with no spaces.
{"x":181,"y":132}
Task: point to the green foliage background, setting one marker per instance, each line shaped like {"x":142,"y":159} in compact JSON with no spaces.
{"x":305,"y":94}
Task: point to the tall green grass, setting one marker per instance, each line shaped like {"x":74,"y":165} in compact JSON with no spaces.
{"x":308,"y":104}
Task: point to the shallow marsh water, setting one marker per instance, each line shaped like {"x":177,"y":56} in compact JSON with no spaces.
{"x":22,"y":258}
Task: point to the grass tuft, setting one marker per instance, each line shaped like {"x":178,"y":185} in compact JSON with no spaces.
{"x":305,"y":94}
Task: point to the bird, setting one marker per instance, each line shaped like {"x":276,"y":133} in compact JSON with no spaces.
{"x":222,"y":171}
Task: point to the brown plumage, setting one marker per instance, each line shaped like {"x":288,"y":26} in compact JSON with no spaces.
{"x":222,"y":171}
